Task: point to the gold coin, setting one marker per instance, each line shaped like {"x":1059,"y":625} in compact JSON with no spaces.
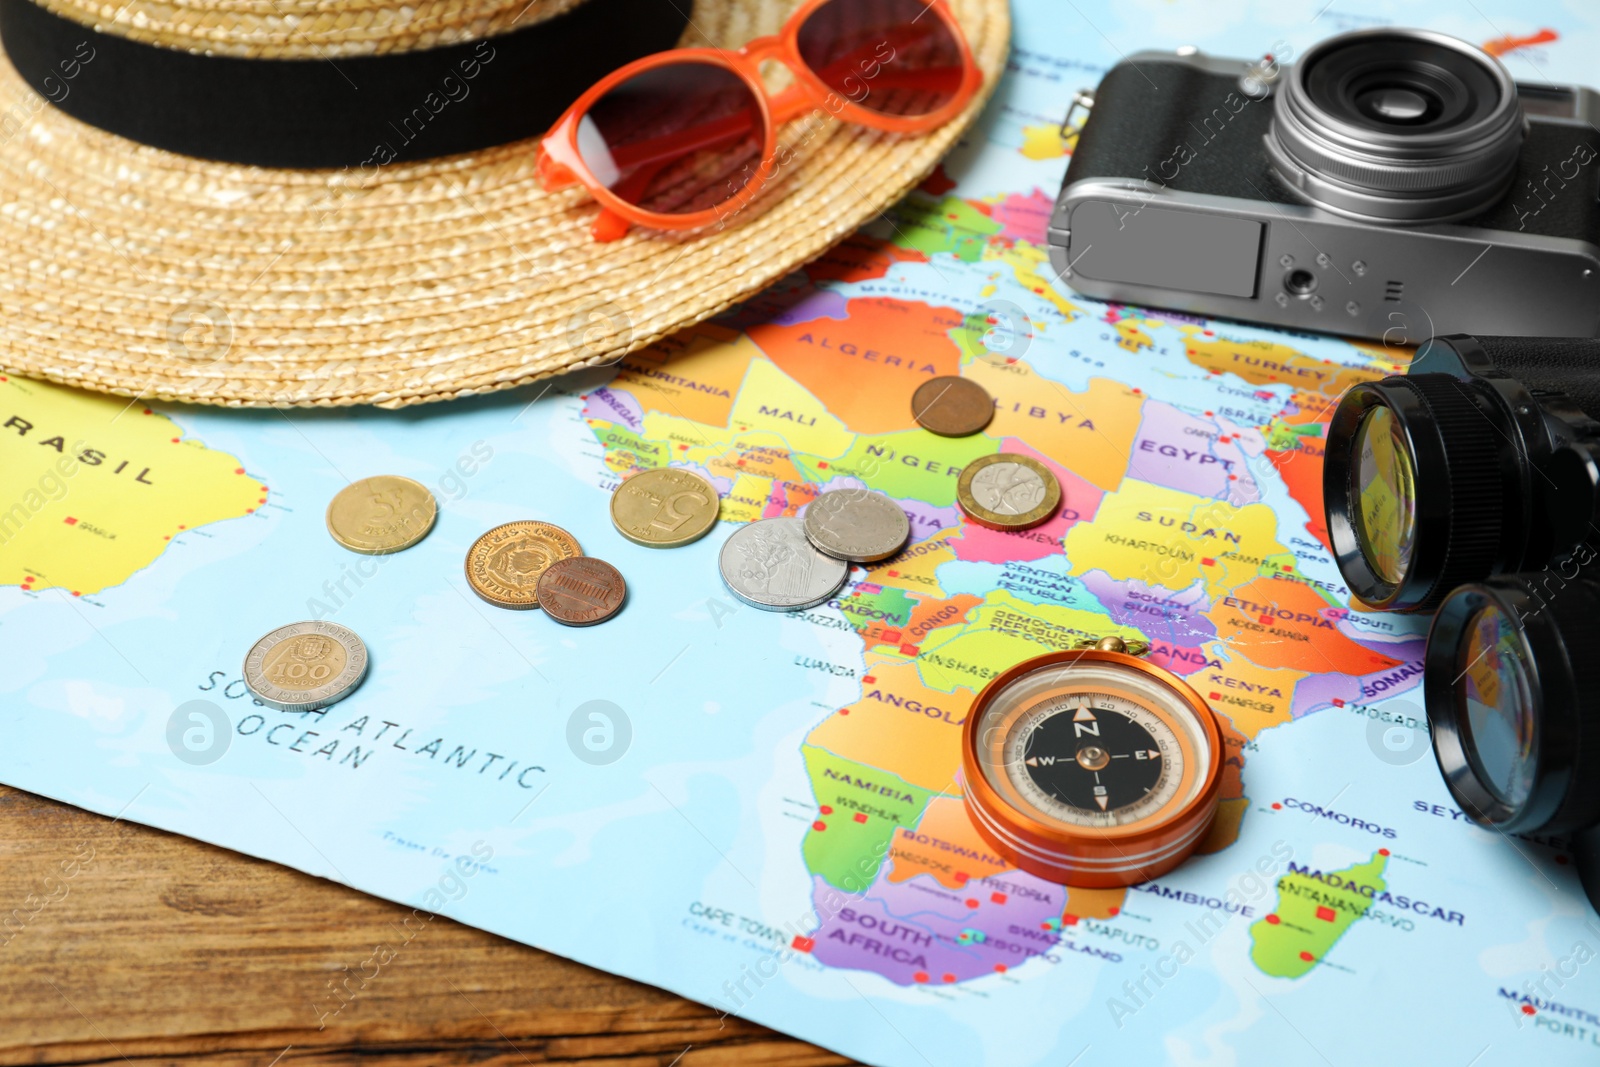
{"x":664,"y":508}
{"x":382,"y":514}
{"x":1006,"y":491}
{"x":952,"y":406}
{"x":505,"y":564}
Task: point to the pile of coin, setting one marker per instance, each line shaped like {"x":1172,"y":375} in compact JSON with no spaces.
{"x":778,"y":564}
{"x":788,"y":564}
{"x":528,"y":564}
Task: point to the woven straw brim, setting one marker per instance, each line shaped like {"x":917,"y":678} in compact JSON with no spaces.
{"x":139,"y":272}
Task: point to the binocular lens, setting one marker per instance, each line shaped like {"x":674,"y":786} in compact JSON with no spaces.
{"x":1495,"y":705}
{"x":1386,"y":503}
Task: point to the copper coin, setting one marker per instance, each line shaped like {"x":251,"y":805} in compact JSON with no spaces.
{"x":581,"y":591}
{"x":951,"y":406}
{"x":505,"y":564}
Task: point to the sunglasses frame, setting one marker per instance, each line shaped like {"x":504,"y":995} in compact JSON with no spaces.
{"x":561,"y":165}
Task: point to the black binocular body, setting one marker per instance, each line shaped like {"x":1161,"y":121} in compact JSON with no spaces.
{"x":1471,"y":486}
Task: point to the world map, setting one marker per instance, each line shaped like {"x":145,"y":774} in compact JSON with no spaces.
{"x":763,"y":811}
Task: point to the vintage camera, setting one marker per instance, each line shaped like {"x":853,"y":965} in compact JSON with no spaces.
{"x":1392,"y":184}
{"x":1483,"y":459}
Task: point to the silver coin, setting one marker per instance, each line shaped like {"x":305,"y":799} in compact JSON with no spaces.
{"x":1008,"y":488}
{"x":771,"y":565}
{"x":857,"y":524}
{"x":305,"y":666}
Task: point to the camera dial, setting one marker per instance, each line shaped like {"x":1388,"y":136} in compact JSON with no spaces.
{"x":1394,"y":125}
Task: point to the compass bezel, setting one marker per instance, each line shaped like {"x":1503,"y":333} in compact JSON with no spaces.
{"x":1099,"y":857}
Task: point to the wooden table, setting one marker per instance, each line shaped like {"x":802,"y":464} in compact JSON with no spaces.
{"x":160,"y":948}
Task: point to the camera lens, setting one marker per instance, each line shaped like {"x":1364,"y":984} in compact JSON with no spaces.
{"x":1398,"y":126}
{"x":1511,"y":677}
{"x":1495,"y":705}
{"x":1386,"y":502}
{"x":1416,"y":491}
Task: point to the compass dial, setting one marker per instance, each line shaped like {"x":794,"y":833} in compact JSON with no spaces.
{"x":1091,"y":768}
{"x":1094,"y":759}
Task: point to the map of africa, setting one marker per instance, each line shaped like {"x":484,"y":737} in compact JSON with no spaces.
{"x":762,"y":811}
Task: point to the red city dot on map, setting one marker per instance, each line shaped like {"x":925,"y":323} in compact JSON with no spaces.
{"x":821,"y":466}
{"x":1215,"y":696}
{"x":1325,"y":913}
{"x":920,"y":976}
{"x":1266,"y":620}
{"x":819,"y":826}
{"x":1233,"y":477}
{"x":908,"y":650}
{"x":183,"y":527}
{"x":1208,"y":414}
{"x":1209,"y":333}
{"x":1208,"y":562}
{"x":166,"y":537}
{"x":1113,"y":910}
{"x":802,"y":944}
{"x":741,"y":463}
{"x":1338,"y":702}
{"x":683,"y":448}
{"x":1308,"y":957}
{"x":861,"y":816}
{"x":76,"y":593}
{"x":999,"y":968}
{"x":949,"y":978}
{"x":844,"y":711}
{"x":1070,"y":920}
{"x":174,"y":440}
{"x":249,"y":511}
{"x":238,"y":470}
{"x":972,"y":902}
{"x":263,"y":500}
{"x":894,"y":574}
{"x":1276,"y":806}
{"x":147,"y":411}
{"x":961,"y":876}
{"x":1274,"y":920}
{"x":1529,"y":1009}
{"x":1137,"y":391}
{"x":998,"y":898}
{"x":891,"y":635}
{"x":1383,"y":852}
{"x":826,"y":809}
{"x":869,"y":679}
{"x":70,"y":521}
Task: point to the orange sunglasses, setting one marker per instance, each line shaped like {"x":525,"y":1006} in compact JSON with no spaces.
{"x":687,"y":138}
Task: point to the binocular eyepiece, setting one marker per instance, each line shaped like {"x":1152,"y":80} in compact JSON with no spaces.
{"x":1471,"y":485}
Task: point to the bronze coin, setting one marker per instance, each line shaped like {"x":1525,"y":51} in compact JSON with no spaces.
{"x":581,"y":591}
{"x":952,"y":406}
{"x":505,"y":564}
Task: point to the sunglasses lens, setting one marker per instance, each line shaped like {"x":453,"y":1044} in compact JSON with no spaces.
{"x":675,"y":139}
{"x":895,"y":57}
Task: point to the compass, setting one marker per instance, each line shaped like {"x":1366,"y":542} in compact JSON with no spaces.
{"x":1092,"y":767}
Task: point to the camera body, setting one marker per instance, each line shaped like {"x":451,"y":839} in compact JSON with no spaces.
{"x":1240,"y":189}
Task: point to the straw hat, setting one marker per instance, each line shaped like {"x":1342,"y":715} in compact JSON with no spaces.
{"x":134,"y":270}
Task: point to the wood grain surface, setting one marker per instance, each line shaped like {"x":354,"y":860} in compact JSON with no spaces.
{"x":121,"y":944}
